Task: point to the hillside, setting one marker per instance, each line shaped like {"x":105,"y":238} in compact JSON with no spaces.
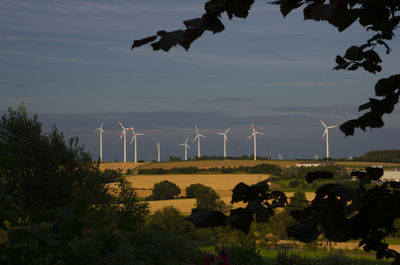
{"x":388,"y":156}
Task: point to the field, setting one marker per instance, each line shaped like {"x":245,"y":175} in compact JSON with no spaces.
{"x":120,"y":165}
{"x":222,"y":183}
{"x":249,"y":163}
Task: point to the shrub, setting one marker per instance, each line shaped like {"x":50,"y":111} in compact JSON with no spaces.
{"x":165,"y":190}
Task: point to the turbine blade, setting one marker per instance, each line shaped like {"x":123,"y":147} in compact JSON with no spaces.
{"x":333,"y":126}
{"x":187,"y":138}
{"x":195,"y":138}
{"x":323,"y":123}
{"x":122,"y":134}
{"x":133,"y":137}
{"x":221,"y":133}
{"x":326,"y":130}
{"x":120,"y":124}
{"x":140,"y":134}
{"x":252,"y":126}
{"x":260,"y":133}
{"x":201,"y":135}
{"x":251,"y":135}
{"x":226,"y":138}
{"x":227,"y":131}
{"x":101,"y":127}
{"x":187,"y":146}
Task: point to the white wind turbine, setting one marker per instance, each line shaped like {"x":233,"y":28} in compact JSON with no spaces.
{"x":254,"y":134}
{"x":198,"y":135}
{"x":134,"y":137}
{"x":225,"y":140}
{"x":123,"y":134}
{"x":326,"y":132}
{"x":101,"y":131}
{"x":186,"y":147}
{"x":158,"y":151}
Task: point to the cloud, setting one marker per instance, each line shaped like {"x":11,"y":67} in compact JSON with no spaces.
{"x":14,"y":84}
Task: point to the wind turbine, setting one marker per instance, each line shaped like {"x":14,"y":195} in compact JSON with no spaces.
{"x":158,"y":151}
{"x":225,"y":140}
{"x":254,"y":134}
{"x":186,"y":147}
{"x":123,"y":134}
{"x":326,"y":132}
{"x":134,"y":137}
{"x":101,"y":131}
{"x":198,"y":135}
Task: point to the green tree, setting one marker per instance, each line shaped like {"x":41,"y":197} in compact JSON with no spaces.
{"x":46,"y":170}
{"x":165,"y":190}
{"x":170,"y":219}
{"x":207,"y":198}
{"x":381,"y":18}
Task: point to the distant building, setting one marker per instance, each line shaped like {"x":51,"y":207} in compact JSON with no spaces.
{"x":391,"y":176}
{"x":314,"y":164}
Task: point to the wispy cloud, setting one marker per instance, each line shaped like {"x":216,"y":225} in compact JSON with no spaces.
{"x":14,"y":84}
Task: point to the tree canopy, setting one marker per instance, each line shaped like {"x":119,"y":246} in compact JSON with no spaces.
{"x":381,"y":18}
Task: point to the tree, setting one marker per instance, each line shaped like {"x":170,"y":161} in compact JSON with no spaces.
{"x":170,"y":219}
{"x":382,"y":18}
{"x":44,"y":170}
{"x":193,"y":189}
{"x":165,"y":190}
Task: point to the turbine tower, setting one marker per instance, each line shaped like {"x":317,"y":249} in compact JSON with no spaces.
{"x":326,"y":132}
{"x":225,"y":140}
{"x":254,"y":134}
{"x":186,"y":147}
{"x":158,"y":151}
{"x":134,"y":137}
{"x":198,"y":135}
{"x":101,"y":131}
{"x":123,"y":134}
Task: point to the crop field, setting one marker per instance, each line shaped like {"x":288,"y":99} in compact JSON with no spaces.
{"x":120,"y":165}
{"x":222,"y":183}
{"x":215,"y":181}
{"x":229,"y":163}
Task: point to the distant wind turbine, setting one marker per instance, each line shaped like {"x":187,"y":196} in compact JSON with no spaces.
{"x":326,"y":132}
{"x":123,"y":133}
{"x":225,"y":140}
{"x":134,"y":137}
{"x":254,"y":134}
{"x":198,"y":135}
{"x":158,"y":151}
{"x":101,"y":131}
{"x":186,"y":147}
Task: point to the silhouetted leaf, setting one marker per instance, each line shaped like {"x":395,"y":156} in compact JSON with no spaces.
{"x":320,"y":12}
{"x":288,"y":5}
{"x":304,"y":232}
{"x":240,"y":219}
{"x":311,"y":176}
{"x":138,"y":43}
{"x":207,"y":218}
{"x":262,"y":213}
{"x":212,"y":23}
{"x":240,"y":192}
{"x":196,"y":23}
{"x":169,"y":40}
{"x":374,"y":173}
{"x":190,"y":36}
{"x":354,"y":53}
{"x":348,"y":127}
{"x":372,"y":56}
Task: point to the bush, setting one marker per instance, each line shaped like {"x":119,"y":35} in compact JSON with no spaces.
{"x":170,"y":219}
{"x":294,"y":183}
{"x":165,"y":190}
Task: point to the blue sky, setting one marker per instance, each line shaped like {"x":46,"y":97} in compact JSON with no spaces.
{"x":71,"y":63}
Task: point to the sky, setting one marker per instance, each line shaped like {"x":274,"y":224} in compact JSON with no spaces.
{"x":70,"y":62}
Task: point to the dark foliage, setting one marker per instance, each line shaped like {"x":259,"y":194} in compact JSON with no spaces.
{"x":260,"y":203}
{"x":165,"y":190}
{"x":365,"y":213}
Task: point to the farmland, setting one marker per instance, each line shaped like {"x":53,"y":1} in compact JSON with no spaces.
{"x":221,"y":183}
